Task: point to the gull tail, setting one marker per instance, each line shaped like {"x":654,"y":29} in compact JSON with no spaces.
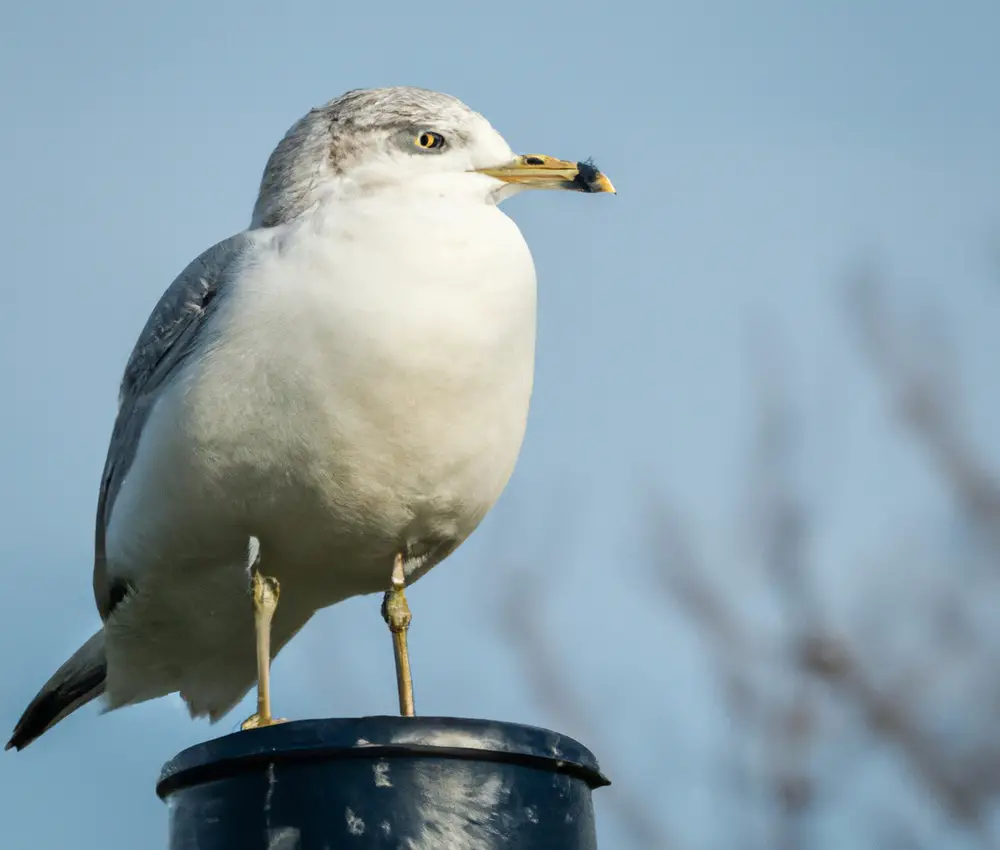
{"x":76,"y":683}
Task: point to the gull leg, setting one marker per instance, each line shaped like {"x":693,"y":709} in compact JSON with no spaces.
{"x":396,"y":612}
{"x":265,"y":591}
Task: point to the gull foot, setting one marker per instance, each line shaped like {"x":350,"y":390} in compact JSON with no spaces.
{"x":396,"y":614}
{"x":255,"y":721}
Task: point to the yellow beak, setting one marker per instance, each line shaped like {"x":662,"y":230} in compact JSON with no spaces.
{"x":546,"y":172}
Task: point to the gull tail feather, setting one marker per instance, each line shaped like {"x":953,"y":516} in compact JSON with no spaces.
{"x":76,"y":683}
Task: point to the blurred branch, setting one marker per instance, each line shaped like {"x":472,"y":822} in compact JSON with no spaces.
{"x":787,"y":685}
{"x":521,"y":621}
{"x":889,"y":719}
{"x":785,"y":726}
{"x":782,"y":531}
{"x":679,"y":573}
{"x":921,"y":399}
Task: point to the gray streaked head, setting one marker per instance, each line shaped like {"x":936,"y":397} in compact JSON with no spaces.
{"x":372,"y":136}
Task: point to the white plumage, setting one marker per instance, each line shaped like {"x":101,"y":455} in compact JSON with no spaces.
{"x":351,"y":404}
{"x":346,"y":380}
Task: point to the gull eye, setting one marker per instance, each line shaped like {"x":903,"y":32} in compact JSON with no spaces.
{"x":429,"y":141}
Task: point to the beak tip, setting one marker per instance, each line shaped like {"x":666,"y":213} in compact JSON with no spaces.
{"x":590,"y":179}
{"x":601,"y":185}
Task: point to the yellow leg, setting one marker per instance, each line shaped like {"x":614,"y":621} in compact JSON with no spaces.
{"x":396,"y":613}
{"x":265,"y":600}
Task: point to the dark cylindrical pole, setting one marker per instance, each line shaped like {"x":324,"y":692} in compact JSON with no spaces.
{"x":426,"y":783}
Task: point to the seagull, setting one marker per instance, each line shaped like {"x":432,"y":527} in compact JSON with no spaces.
{"x":321,"y":406}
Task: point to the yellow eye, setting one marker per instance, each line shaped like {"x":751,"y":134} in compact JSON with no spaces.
{"x":429,"y":141}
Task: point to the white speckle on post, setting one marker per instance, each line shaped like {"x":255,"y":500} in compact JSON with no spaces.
{"x":283,"y":838}
{"x":381,"y":771}
{"x":446,"y":824}
{"x":355,"y":825}
{"x":531,"y":814}
{"x":386,"y":828}
{"x":270,"y":790}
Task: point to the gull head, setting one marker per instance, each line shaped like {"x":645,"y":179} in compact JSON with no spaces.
{"x":372,"y":140}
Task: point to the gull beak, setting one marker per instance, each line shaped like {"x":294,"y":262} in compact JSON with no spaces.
{"x":545,"y":172}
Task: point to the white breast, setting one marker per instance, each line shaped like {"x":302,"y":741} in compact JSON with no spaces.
{"x":366,"y":387}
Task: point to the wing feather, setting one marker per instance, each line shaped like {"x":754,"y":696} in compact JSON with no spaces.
{"x":168,"y":338}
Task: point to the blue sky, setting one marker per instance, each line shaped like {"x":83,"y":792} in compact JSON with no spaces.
{"x":758,"y":148}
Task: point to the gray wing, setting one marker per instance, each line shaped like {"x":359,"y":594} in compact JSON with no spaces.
{"x":165,"y":342}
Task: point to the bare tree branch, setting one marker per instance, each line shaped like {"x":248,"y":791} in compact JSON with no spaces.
{"x":920,"y":397}
{"x":807,"y":701}
{"x":522,"y":619}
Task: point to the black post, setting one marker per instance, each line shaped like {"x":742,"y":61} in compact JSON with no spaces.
{"x":420,"y":783}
